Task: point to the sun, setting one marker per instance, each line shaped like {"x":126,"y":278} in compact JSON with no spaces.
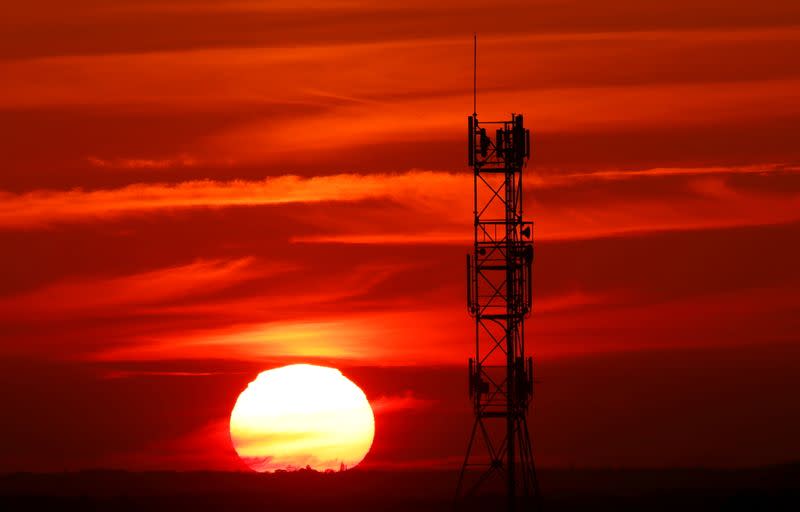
{"x":300,"y":416}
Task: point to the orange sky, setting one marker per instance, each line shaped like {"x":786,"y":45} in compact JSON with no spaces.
{"x":192,"y":192}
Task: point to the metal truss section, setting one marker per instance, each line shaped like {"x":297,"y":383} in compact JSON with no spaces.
{"x":499,"y":297}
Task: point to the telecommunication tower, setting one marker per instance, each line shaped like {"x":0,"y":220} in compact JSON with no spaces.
{"x":499,"y":290}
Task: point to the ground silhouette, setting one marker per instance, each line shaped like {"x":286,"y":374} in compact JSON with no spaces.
{"x":768,"y":488}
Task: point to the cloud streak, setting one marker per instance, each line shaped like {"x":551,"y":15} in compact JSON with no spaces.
{"x":696,"y":198}
{"x":92,"y":296}
{"x":48,"y":206}
{"x":142,"y":163}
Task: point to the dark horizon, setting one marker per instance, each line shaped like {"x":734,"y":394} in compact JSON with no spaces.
{"x":775,"y":488}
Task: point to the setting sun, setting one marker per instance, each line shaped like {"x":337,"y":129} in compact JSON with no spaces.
{"x":301,"y":416}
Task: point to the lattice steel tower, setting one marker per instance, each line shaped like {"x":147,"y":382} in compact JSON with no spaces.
{"x":499,"y":287}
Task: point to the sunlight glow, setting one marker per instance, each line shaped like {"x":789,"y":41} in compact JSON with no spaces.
{"x":302,"y":415}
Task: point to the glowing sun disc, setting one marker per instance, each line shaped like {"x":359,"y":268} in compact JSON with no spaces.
{"x":302,"y":415}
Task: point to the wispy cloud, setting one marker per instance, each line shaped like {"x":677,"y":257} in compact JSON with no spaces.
{"x":659,"y":172}
{"x":143,"y":163}
{"x":394,"y":336}
{"x":50,"y":206}
{"x":90,"y":296}
{"x":349,"y":336}
{"x":705,"y":197}
{"x":393,"y":403}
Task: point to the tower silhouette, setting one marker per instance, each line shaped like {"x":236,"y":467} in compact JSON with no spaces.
{"x":499,"y":289}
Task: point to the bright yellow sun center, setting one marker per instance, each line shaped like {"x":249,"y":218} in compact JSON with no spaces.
{"x":302,"y":415}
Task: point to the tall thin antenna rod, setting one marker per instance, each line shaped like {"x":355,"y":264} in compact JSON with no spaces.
{"x":475,"y":74}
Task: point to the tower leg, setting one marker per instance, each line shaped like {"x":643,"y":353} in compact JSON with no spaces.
{"x":466,"y":459}
{"x":511,"y":434}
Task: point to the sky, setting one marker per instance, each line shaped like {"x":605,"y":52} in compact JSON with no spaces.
{"x":192,"y":192}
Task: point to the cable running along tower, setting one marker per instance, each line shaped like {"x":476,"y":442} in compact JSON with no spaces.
{"x":499,"y":289}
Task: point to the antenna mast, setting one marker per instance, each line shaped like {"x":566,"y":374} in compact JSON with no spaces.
{"x":475,"y":75}
{"x":499,"y":298}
